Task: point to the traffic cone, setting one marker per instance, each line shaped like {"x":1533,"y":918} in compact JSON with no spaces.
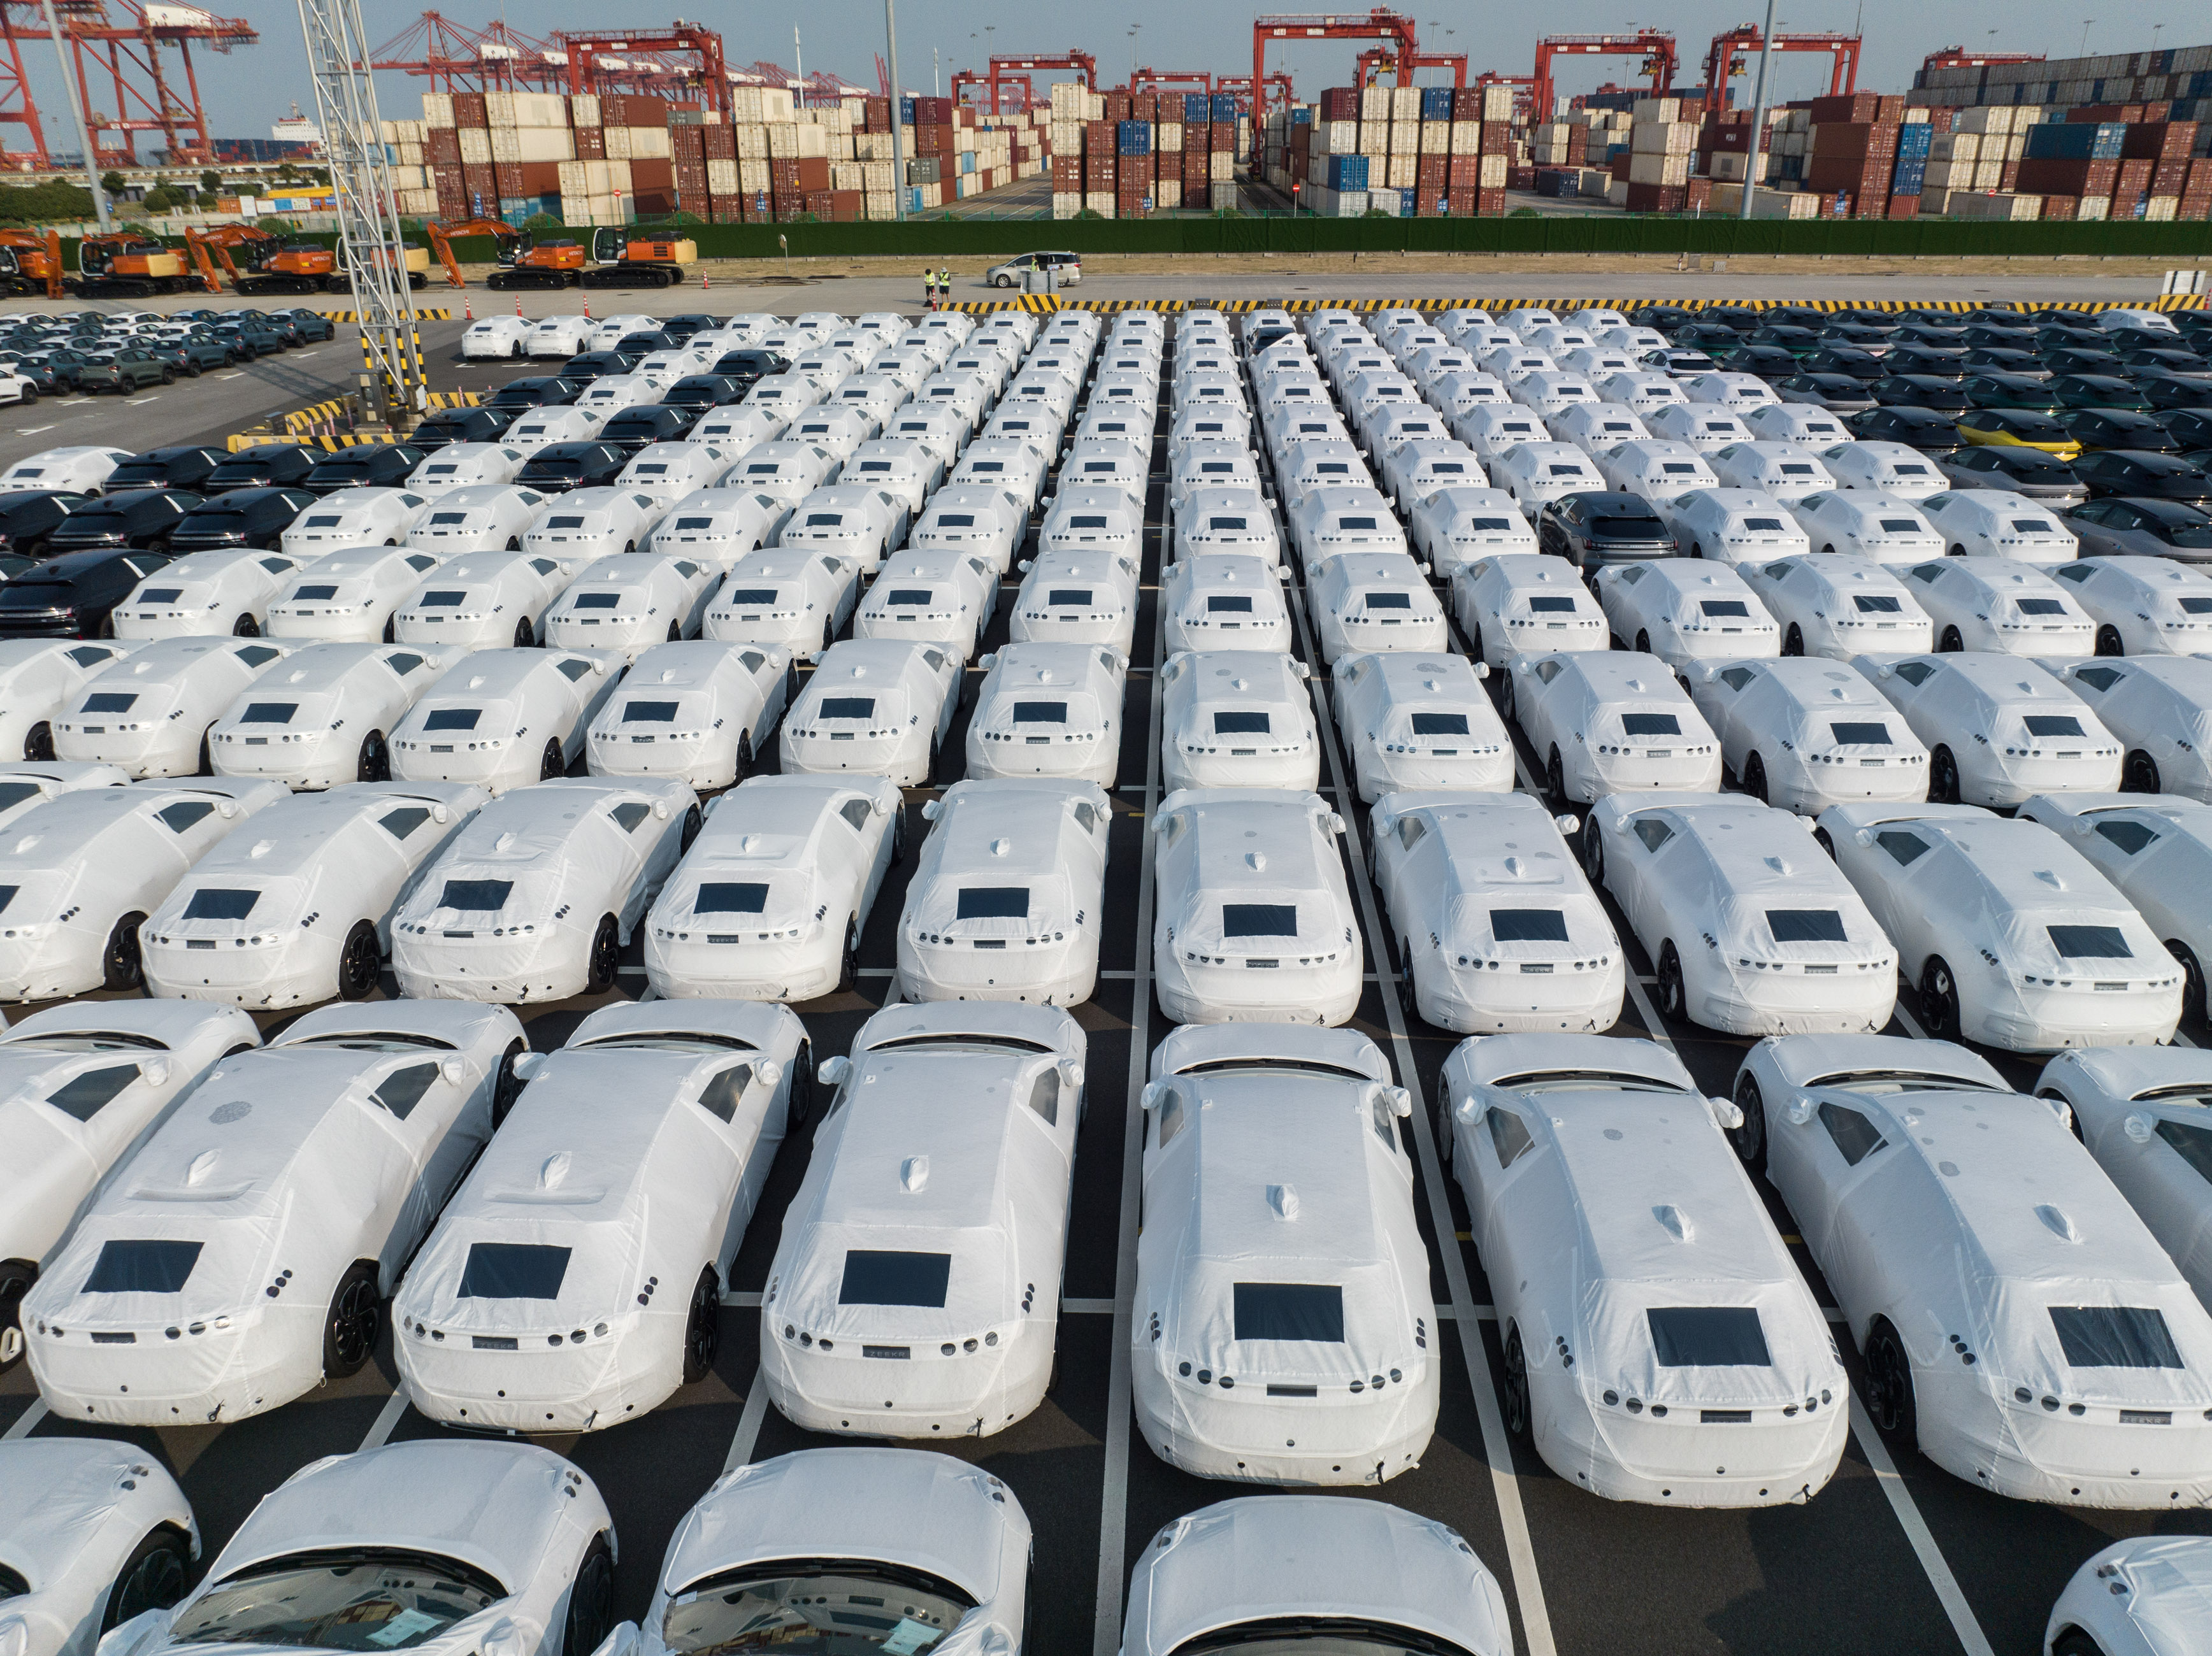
{"x":468,"y":311}
{"x":702,"y":281}
{"x":518,"y":307}
{"x":587,"y":310}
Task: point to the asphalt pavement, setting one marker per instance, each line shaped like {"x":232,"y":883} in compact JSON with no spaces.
{"x":1893,"y":1556}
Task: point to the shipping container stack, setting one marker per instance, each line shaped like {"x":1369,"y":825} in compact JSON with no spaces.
{"x":1432,"y":152}
{"x":1123,"y":154}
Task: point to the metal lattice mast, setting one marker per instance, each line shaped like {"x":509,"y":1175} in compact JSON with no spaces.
{"x":393,"y":384}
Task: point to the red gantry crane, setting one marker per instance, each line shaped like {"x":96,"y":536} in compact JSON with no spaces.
{"x":1960,"y":57}
{"x":454,"y":58}
{"x":1731,"y":52}
{"x":1011,"y":68}
{"x":1378,"y":60}
{"x":122,"y":44}
{"x":1654,"y":48}
{"x":1380,"y":24}
{"x":589,"y":71}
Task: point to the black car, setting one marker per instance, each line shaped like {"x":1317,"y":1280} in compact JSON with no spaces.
{"x":27,"y":518}
{"x":1665,"y":319}
{"x":1590,"y":530}
{"x":1705,"y":335}
{"x":703,"y":391}
{"x":642,"y":345}
{"x":2158,"y":351}
{"x":2144,"y":474}
{"x":1936,"y":336}
{"x":1853,"y":361}
{"x":476,"y":425}
{"x":2119,"y":428}
{"x":748,"y":367}
{"x":2009,"y":390}
{"x":1795,"y":316}
{"x":1868,"y":316}
{"x":1919,"y":391}
{"x":1741,"y":317}
{"x":245,"y":516}
{"x":371,"y":466}
{"x":561,"y":466}
{"x":599,"y":365}
{"x":1797,"y":340}
{"x":2162,"y":390}
{"x":2080,"y":358}
{"x":681,"y":328}
{"x":71,"y":596}
{"x":648,"y":422}
{"x":2068,"y":335}
{"x":2000,"y":358}
{"x":2097,"y":391}
{"x":167,"y":468}
{"x":1765,"y":361}
{"x":1923,"y":429}
{"x":2034,"y":427}
{"x":1829,"y":389}
{"x":2193,"y":324}
{"x":2013,"y":467}
{"x":1866,"y":335}
{"x":1932,"y":361}
{"x":2146,"y":527}
{"x":2191,"y":427}
{"x":264,"y":465}
{"x":139,"y":517}
{"x":2013,"y":336}
{"x":537,"y":391}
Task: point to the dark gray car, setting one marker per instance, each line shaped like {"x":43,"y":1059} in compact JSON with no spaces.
{"x":2016,"y":468}
{"x":2145,"y":528}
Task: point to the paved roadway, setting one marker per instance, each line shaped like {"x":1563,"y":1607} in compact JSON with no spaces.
{"x":1893,"y":1556}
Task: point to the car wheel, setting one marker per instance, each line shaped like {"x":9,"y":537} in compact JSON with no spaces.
{"x":1822,"y":839}
{"x":1942,"y":777}
{"x":1754,"y":778}
{"x":30,"y":397}
{"x":2077,"y":1644}
{"x":606,"y":957}
{"x":1829,"y":551}
{"x":525,"y":634}
{"x":169,"y":376}
{"x":356,"y":1314}
{"x":152,"y":1578}
{"x":120,"y":966}
{"x":507,"y":1086}
{"x":899,"y":834}
{"x":1951,"y":642}
{"x":191,"y":370}
{"x":1673,"y":993}
{"x":1507,"y":706}
{"x":1889,"y":1381}
{"x":1593,"y":852}
{"x":2108,"y":641}
{"x":675,"y":631}
{"x":929,"y":776}
{"x":245,"y":627}
{"x":360,"y":963}
{"x":849,"y":961}
{"x":2192,"y":978}
{"x":1408,"y":993}
{"x":375,"y":764}
{"x":391,"y":628}
{"x":798,"y":1101}
{"x":1750,"y":1139}
{"x":1793,"y":641}
{"x":690,"y":831}
{"x":39,"y":744}
{"x":703,"y":1327}
{"x":551,"y":764}
{"x":17,"y":1277}
{"x":2140,"y":773}
{"x":1515,"y":1395}
{"x":1939,"y":1000}
{"x":1555,"y":778}
{"x":590,"y":1600}
{"x":744,"y":761}
{"x":1643,"y":642}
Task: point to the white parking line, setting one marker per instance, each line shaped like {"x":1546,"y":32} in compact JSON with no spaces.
{"x":387,"y":1419}
{"x":748,"y":1425}
{"x":24,"y":1422}
{"x":33,"y":431}
{"x":141,"y":402}
{"x":241,"y":374}
{"x":1963,"y":1624}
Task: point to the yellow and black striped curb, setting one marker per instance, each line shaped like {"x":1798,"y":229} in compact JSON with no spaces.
{"x":1045,"y":302}
{"x":298,"y":426}
{"x":315,"y":414}
{"x":244,"y":439}
{"x":438,"y":315}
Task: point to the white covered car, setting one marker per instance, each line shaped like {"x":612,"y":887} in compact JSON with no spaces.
{"x":1751,"y":928}
{"x":1453,"y":528}
{"x":1732,"y":526}
{"x":26,"y":783}
{"x":2012,"y":937}
{"x":150,"y":714}
{"x":97,"y":1534}
{"x":1237,"y":718}
{"x":1416,"y":719}
{"x":71,"y":468}
{"x":2092,"y":1359}
{"x":878,"y":705}
{"x":1254,"y":920}
{"x":83,"y":871}
{"x":2161,"y":708}
{"x":2144,"y":606}
{"x":364,"y":1121}
{"x":504,"y":718}
{"x":1048,"y":710}
{"x":349,"y":597}
{"x":2141,"y":1597}
{"x":1997,"y":605}
{"x":1374,"y":601}
{"x":1998,"y":728}
{"x":1867,"y":523}
{"x":355,"y":517}
{"x":1638,"y":1277}
{"x":1894,"y":469}
{"x":482,"y":518}
{"x":38,"y":678}
{"x":536,"y":896}
{"x":321,"y":716}
{"x":1685,"y":610}
{"x":628,"y":602}
{"x":1282,"y":1332}
{"x":1008,"y":895}
{"x":1497,"y":928}
{"x":1611,"y":721}
{"x":697,"y":709}
{"x":220,"y":591}
{"x":300,"y":910}
{"x":481,"y":601}
{"x":1076,"y":597}
{"x":1224,"y":601}
{"x":500,"y":336}
{"x":1839,"y":606}
{"x":587,"y":523}
{"x":794,"y":601}
{"x":579,"y":1216}
{"x":719,"y":525}
{"x":1781,"y":471}
{"x":945,"y":597}
{"x":1991,"y":523}
{"x":915,"y":1290}
{"x":1805,"y":733}
{"x":1525,"y":601}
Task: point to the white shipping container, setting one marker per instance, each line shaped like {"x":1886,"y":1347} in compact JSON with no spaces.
{"x":617,"y":143}
{"x":752,"y":175}
{"x":1665,"y":111}
{"x":1405,"y":104}
{"x":751,"y":142}
{"x":783,"y":141}
{"x":438,"y":109}
{"x":649,"y":144}
{"x":1644,"y":167}
{"x":1374,"y":104}
{"x":475,"y":146}
{"x":1221,"y":167}
{"x":1465,"y":137}
{"x":1664,"y":138}
{"x":584,"y":109}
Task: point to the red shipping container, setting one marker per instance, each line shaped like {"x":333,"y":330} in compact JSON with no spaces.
{"x":2135,"y":179}
{"x":718,"y":143}
{"x":657,"y":175}
{"x":1194,"y":171}
{"x":1196,"y":136}
{"x":1619,"y":167}
{"x":1464,"y":172}
{"x":726,"y":209}
{"x":1841,"y":140}
{"x":2126,"y":206}
{"x":1656,"y":197}
{"x":1341,"y":103}
{"x":932,"y":111}
{"x":480,"y":187}
{"x":1905,"y":207}
{"x":1851,"y":106}
{"x":2053,"y":175}
{"x":846,"y":206}
{"x":1829,"y":174}
{"x":2058,"y":207}
{"x":2169,"y":178}
{"x":1460,"y":203}
{"x":1871,"y":205}
{"x":1221,"y":138}
{"x":540,"y":178}
{"x":591,"y":143}
{"x":1490,"y":204}
{"x":2008,"y":177}
{"x":1198,"y":197}
{"x":443,"y":147}
{"x":1145,"y":107}
{"x":1733,"y":137}
{"x":1520,"y":178}
{"x":1698,"y":194}
{"x":933,"y":141}
{"x":2157,"y":109}
{"x":1497,"y":138}
{"x":1117,"y":106}
{"x":469,"y":109}
{"x":1432,"y":169}
{"x":1098,"y":137}
{"x":1067,"y":175}
{"x":1430,"y":204}
{"x":1466,"y":103}
{"x":783,"y":177}
{"x":2127,"y":114}
{"x":2160,"y":141}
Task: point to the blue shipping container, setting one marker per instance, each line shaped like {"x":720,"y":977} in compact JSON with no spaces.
{"x":1195,"y":105}
{"x":1224,"y":105}
{"x":1347,"y":172}
{"x":1302,"y":115}
{"x":1132,"y":138}
{"x":1409,"y":203}
{"x":1915,"y":139}
{"x":1436,"y":103}
{"x":2078,"y":141}
{"x":906,"y":112}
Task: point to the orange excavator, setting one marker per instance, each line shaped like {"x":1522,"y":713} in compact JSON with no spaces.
{"x":276,"y":266}
{"x":524,"y":261}
{"x":125,"y":265}
{"x":31,"y":262}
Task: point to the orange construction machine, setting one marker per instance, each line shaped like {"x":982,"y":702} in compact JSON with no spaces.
{"x":272,"y":265}
{"x":635,"y":257}
{"x":524,"y":262}
{"x":31,"y":262}
{"x":127,"y":266}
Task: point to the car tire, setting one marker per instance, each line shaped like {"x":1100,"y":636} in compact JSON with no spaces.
{"x":675,"y":632}
{"x":1754,"y":778}
{"x":551,"y":763}
{"x":17,"y":1277}
{"x":798,"y":1100}
{"x":1889,"y":1382}
{"x":1513,"y":1396}
{"x":1750,"y":1139}
{"x":1409,"y":995}
{"x":1643,"y":642}
{"x":742,"y":767}
{"x":1951,"y":643}
{"x":1593,"y":852}
{"x":605,"y":958}
{"x":1793,"y":641}
{"x":1555,"y":778}
{"x":1942,"y":777}
{"x":120,"y":964}
{"x":689,"y":832}
{"x":1674,"y":991}
{"x":391,"y":628}
{"x":702,"y":1331}
{"x":39,"y":743}
{"x":191,"y":370}
{"x":2077,"y":1643}
{"x":152,"y":1578}
{"x":360,"y":963}
{"x":375,"y":764}
{"x":2192,"y":978}
{"x":2109,"y":642}
{"x":848,"y":960}
{"x":355,"y":1320}
{"x":929,"y":776}
{"x":1829,"y":550}
{"x":590,"y":1615}
{"x":245,"y":627}
{"x":2139,"y":774}
{"x":1939,"y":1000}
{"x":1826,"y":842}
{"x":169,"y":376}
{"x":30,"y":397}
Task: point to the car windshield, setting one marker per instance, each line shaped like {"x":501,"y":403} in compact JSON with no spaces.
{"x":668,"y":1040}
{"x":88,"y":1041}
{"x":1313,"y":1635}
{"x":1881,"y":1083}
{"x":364,"y":1599}
{"x":1584,"y":1081}
{"x":814,"y":1607}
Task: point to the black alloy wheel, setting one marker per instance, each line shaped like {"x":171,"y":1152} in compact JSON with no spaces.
{"x":551,"y":765}
{"x":1939,"y":1000}
{"x":360,"y":963}
{"x":355,"y":1317}
{"x":1750,"y":1139}
{"x":1889,"y":1381}
{"x":120,"y":964}
{"x":2140,"y":773}
{"x":1942,"y":777}
{"x":375,"y":764}
{"x":1514,"y":1394}
{"x":1673,"y":992}
{"x":606,"y":957}
{"x":703,"y":1327}
{"x":152,"y":1578}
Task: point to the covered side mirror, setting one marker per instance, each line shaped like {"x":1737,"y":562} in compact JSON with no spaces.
{"x":1071,"y":1072}
{"x":1150,"y":1098}
{"x":767,"y":1072}
{"x":1726,"y":1112}
{"x":1482,"y":669}
{"x":1864,"y":837}
{"x":2139,"y":1126}
{"x":1568,"y":823}
{"x":1401,"y":1102}
{"x":453,"y":1070}
{"x":1800,"y":1112}
{"x":660,"y":810}
{"x":832,"y":1071}
{"x":528,"y":1065}
{"x":931,"y":810}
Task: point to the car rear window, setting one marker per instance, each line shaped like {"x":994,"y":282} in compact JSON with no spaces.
{"x":993,"y":902}
{"x":2090,"y":943}
{"x":882,"y":1276}
{"x":1289,"y":1311}
{"x":1805,"y":925}
{"x":1528,"y":925}
{"x":109,"y":701}
{"x":649,"y":712}
{"x":848,"y":706}
{"x":2111,"y":1336}
{"x":476,"y":896}
{"x":731,"y":897}
{"x":453,"y":719}
{"x":1240,"y":724}
{"x":1259,"y":919}
{"x":1900,"y":526}
{"x":211,"y":904}
{"x":1707,"y":1336}
{"x":2054,"y":725}
{"x":142,"y":1267}
{"x":513,"y":1270}
{"x":1649,"y":725}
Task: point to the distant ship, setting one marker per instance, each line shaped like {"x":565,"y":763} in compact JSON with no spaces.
{"x":296,"y":128}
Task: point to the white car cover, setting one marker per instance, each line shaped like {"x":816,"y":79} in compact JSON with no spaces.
{"x":203,"y":592}
{"x":1280,"y":1265}
{"x":962,"y":517}
{"x":932,"y":1219}
{"x":1917,"y":1201}
{"x":630,"y":601}
{"x":1840,"y":606}
{"x":2160,"y":709}
{"x":2144,"y":606}
{"x":586,"y":523}
{"x":482,"y":601}
{"x":299,"y":909}
{"x":2012,"y":938}
{"x":355,"y":517}
{"x":1781,"y":471}
{"x":1732,"y":526}
{"x":38,"y":678}
{"x":365,"y":1118}
{"x":1076,"y":597}
{"x":1227,"y":520}
{"x":97,"y":1531}
{"x":349,"y":597}
{"x":2157,"y":850}
{"x":719,"y":525}
{"x":1266,"y":1558}
{"x":1007,"y":898}
{"x":82,"y":871}
{"x":945,"y":597}
{"x":1048,"y":710}
{"x":1594,"y":717}
{"x":149,"y":714}
{"x":1867,"y":523}
{"x":26,"y":783}
{"x":1497,"y":928}
{"x":1453,"y":528}
{"x":1998,"y":728}
{"x":1753,"y":931}
{"x":1893,"y":469}
{"x":2141,"y":1597}
{"x":1416,"y":719}
{"x":1224,"y":601}
{"x":1995,"y":522}
{"x":533,"y":899}
{"x":1518,"y":601}
{"x":579,"y":1217}
{"x":1373,"y":601}
{"x":1685,"y":610}
{"x":1638,"y":1275}
{"x":1243,"y":870}
{"x":481,"y":518}
{"x":319,"y":718}
{"x":788,"y":867}
{"x":68,"y":468}
{"x":480,"y":722}
{"x":878,"y":706}
{"x":1237,"y":718}
{"x":466,"y":465}
{"x":1997,"y":604}
{"x":699,"y":710}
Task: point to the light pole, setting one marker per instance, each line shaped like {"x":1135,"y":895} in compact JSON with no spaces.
{"x":1758,"y":114}
{"x":2083,"y":50}
{"x":83,"y":133}
{"x":1133,"y":27}
{"x":898,"y":142}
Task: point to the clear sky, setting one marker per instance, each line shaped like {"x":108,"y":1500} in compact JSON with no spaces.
{"x":247,"y":89}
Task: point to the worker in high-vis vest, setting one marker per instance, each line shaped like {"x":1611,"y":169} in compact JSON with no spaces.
{"x":928,"y":288}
